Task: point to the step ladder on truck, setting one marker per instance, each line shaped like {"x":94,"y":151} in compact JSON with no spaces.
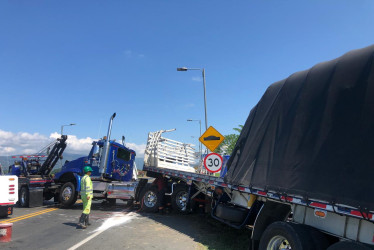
{"x":300,"y":175}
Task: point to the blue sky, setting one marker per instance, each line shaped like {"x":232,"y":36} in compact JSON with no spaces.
{"x":80,"y":61}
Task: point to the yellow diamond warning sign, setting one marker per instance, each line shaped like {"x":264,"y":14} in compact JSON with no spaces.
{"x":211,"y":138}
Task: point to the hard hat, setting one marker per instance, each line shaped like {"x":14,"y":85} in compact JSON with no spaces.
{"x":87,"y":169}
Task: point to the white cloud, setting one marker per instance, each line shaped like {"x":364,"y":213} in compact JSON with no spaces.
{"x":26,"y":143}
{"x":139,"y":149}
{"x":7,"y":150}
{"x":130,"y":54}
{"x":189,"y":105}
{"x":196,"y":78}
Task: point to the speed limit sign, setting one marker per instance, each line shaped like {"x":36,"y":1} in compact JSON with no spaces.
{"x":213,"y":162}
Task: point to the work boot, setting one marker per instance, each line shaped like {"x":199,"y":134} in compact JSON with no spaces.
{"x":82,"y":222}
{"x":88,"y":220}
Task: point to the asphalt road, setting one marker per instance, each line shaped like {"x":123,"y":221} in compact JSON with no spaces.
{"x":115,"y":227}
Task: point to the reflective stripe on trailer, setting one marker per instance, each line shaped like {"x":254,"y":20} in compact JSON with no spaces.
{"x":7,"y":204}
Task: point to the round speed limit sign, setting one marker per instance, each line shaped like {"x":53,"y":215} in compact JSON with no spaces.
{"x":213,"y":162}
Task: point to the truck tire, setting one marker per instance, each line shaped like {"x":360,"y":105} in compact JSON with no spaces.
{"x":111,"y":201}
{"x":150,"y":199}
{"x":24,"y":197}
{"x":283,"y":235}
{"x":349,"y":245}
{"x":231,"y":213}
{"x":68,"y":196}
{"x":179,"y":199}
{"x":3,"y":212}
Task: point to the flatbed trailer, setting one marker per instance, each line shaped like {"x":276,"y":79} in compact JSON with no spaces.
{"x":324,"y":222}
{"x":300,"y":175}
{"x":213,"y":181}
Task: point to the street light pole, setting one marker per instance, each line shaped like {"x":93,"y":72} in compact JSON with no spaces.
{"x":62,"y":127}
{"x":206,"y":118}
{"x":204,"y":85}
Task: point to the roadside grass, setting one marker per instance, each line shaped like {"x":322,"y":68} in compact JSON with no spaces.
{"x":215,"y":235}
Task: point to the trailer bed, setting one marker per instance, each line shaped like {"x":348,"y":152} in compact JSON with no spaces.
{"x":340,"y":209}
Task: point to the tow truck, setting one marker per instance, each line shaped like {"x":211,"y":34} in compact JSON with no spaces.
{"x":114,"y":173}
{"x":35,"y":182}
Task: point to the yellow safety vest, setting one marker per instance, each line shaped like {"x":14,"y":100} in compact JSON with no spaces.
{"x":86,"y":186}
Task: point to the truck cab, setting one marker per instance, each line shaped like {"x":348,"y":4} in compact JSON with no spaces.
{"x":119,"y":163}
{"x":113,"y":166}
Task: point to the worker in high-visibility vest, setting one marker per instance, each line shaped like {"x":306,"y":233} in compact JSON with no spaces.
{"x":86,"y":195}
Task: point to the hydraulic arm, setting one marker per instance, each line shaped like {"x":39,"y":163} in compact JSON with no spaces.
{"x":54,"y":155}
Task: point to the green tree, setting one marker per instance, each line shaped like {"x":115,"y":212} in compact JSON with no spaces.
{"x":228,"y":144}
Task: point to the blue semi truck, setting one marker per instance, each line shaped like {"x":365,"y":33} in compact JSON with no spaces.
{"x":114,"y":173}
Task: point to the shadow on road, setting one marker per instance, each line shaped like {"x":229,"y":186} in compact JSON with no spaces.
{"x":200,"y":227}
{"x":70,"y":224}
{"x":205,"y":230}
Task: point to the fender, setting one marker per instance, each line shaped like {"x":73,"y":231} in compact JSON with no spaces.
{"x":78,"y":179}
{"x":270,"y":212}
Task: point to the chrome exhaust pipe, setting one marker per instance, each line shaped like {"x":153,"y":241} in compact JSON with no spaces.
{"x":104,"y":158}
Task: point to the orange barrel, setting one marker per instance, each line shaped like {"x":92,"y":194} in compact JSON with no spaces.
{"x":6,"y":232}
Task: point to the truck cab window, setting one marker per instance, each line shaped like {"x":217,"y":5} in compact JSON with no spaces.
{"x":96,"y":151}
{"x":123,"y":154}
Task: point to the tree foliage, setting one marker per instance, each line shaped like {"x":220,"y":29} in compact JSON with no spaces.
{"x":228,"y":144}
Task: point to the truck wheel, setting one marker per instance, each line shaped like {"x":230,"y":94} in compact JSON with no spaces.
{"x":111,"y":201}
{"x":179,"y":199}
{"x":68,"y":196}
{"x":348,"y":245}
{"x":282,"y":235}
{"x":24,"y":197}
{"x":150,"y":199}
{"x":3,"y":212}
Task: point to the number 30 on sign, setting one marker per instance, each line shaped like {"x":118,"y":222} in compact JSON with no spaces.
{"x":213,"y":162}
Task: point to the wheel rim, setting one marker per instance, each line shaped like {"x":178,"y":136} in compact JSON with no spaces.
{"x":181,"y":200}
{"x":23,"y":197}
{"x":67,"y":193}
{"x":278,"y":243}
{"x":150,"y":199}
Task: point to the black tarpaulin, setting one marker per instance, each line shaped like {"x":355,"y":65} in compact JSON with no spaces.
{"x":312,"y":134}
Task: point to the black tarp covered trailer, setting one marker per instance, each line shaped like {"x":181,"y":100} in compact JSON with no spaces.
{"x":312,"y":134}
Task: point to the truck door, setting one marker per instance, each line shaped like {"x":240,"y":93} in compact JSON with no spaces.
{"x":121,"y":163}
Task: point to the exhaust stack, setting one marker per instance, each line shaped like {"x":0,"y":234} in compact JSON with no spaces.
{"x":104,"y":157}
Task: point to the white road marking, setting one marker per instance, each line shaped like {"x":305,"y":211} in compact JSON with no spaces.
{"x":116,"y":220}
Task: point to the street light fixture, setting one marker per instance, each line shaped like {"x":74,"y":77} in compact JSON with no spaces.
{"x":62,"y":127}
{"x":200,"y":146}
{"x":203,"y":73}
